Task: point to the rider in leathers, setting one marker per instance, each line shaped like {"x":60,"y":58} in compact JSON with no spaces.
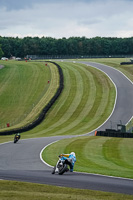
{"x":70,"y":159}
{"x":17,"y":134}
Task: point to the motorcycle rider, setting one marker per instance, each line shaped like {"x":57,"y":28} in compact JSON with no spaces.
{"x":17,"y":135}
{"x":70,"y":159}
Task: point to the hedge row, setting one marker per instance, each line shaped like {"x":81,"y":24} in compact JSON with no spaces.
{"x":44,"y":111}
{"x":114,"y":134}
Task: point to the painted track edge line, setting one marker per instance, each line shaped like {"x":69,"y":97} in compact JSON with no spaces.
{"x":5,"y":142}
{"x":114,"y":69}
{"x":87,"y":64}
{"x":115,"y":97}
{"x":114,"y":177}
{"x":43,"y":150}
{"x":129,"y":121}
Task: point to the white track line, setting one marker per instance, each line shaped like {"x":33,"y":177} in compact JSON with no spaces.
{"x":43,"y":150}
{"x":114,"y":85}
{"x":5,"y":142}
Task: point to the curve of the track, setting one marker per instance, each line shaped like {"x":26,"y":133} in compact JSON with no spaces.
{"x":123,"y":110}
{"x":21,"y":161}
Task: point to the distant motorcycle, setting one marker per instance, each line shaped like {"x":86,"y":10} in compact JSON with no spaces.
{"x":16,"y":138}
{"x":61,"y":167}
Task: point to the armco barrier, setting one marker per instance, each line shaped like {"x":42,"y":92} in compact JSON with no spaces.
{"x":114,"y":134}
{"x":44,"y":111}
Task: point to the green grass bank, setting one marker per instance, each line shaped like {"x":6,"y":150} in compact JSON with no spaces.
{"x":100,"y":155}
{"x":86,"y":102}
{"x":24,"y":91}
{"x":12,"y":190}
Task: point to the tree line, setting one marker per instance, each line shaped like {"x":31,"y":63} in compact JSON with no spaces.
{"x":82,"y":46}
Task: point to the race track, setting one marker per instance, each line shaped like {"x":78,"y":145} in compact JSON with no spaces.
{"x":123,"y":110}
{"x":21,"y":161}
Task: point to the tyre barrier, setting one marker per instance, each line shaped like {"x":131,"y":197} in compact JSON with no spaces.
{"x":41,"y":117}
{"x":126,"y":63}
{"x":114,"y":133}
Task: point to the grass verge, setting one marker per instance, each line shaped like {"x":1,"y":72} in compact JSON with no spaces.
{"x":100,"y":155}
{"x":12,"y":190}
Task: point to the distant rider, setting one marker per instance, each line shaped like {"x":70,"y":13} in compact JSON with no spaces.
{"x":70,"y":159}
{"x":17,"y":135}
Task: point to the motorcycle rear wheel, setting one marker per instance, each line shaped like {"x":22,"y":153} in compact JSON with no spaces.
{"x":63,"y":169}
{"x":53,"y":170}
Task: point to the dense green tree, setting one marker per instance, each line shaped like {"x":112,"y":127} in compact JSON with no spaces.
{"x":6,"y":47}
{"x":78,"y":46}
{"x":1,"y":52}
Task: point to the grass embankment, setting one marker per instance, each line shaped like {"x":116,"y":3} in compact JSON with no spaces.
{"x":24,"y":91}
{"x":11,"y":190}
{"x":86,"y":102}
{"x":100,"y":155}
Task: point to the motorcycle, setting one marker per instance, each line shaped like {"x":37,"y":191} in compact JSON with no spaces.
{"x":16,"y":138}
{"x":61,"y":167}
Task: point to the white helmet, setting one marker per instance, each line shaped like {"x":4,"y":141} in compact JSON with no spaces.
{"x":72,"y":153}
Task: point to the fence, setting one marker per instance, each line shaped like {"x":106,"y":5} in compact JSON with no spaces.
{"x":118,"y":130}
{"x":37,"y":57}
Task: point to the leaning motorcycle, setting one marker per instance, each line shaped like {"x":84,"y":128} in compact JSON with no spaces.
{"x":16,"y":138}
{"x":61,"y":167}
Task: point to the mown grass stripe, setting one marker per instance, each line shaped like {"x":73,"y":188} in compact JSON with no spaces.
{"x":71,"y":112}
{"x":70,"y":104}
{"x":86,"y":102}
{"x":78,"y":87}
{"x":64,"y":108}
{"x":95,"y":150}
{"x":73,"y":119}
{"x":117,"y":158}
{"x":85,"y":114}
{"x":100,"y":112}
{"x":125,"y":147}
{"x":61,"y":105}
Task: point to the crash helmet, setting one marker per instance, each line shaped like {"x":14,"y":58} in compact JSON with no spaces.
{"x":72,"y":153}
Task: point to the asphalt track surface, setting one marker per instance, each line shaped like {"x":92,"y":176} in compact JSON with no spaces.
{"x":21,"y":161}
